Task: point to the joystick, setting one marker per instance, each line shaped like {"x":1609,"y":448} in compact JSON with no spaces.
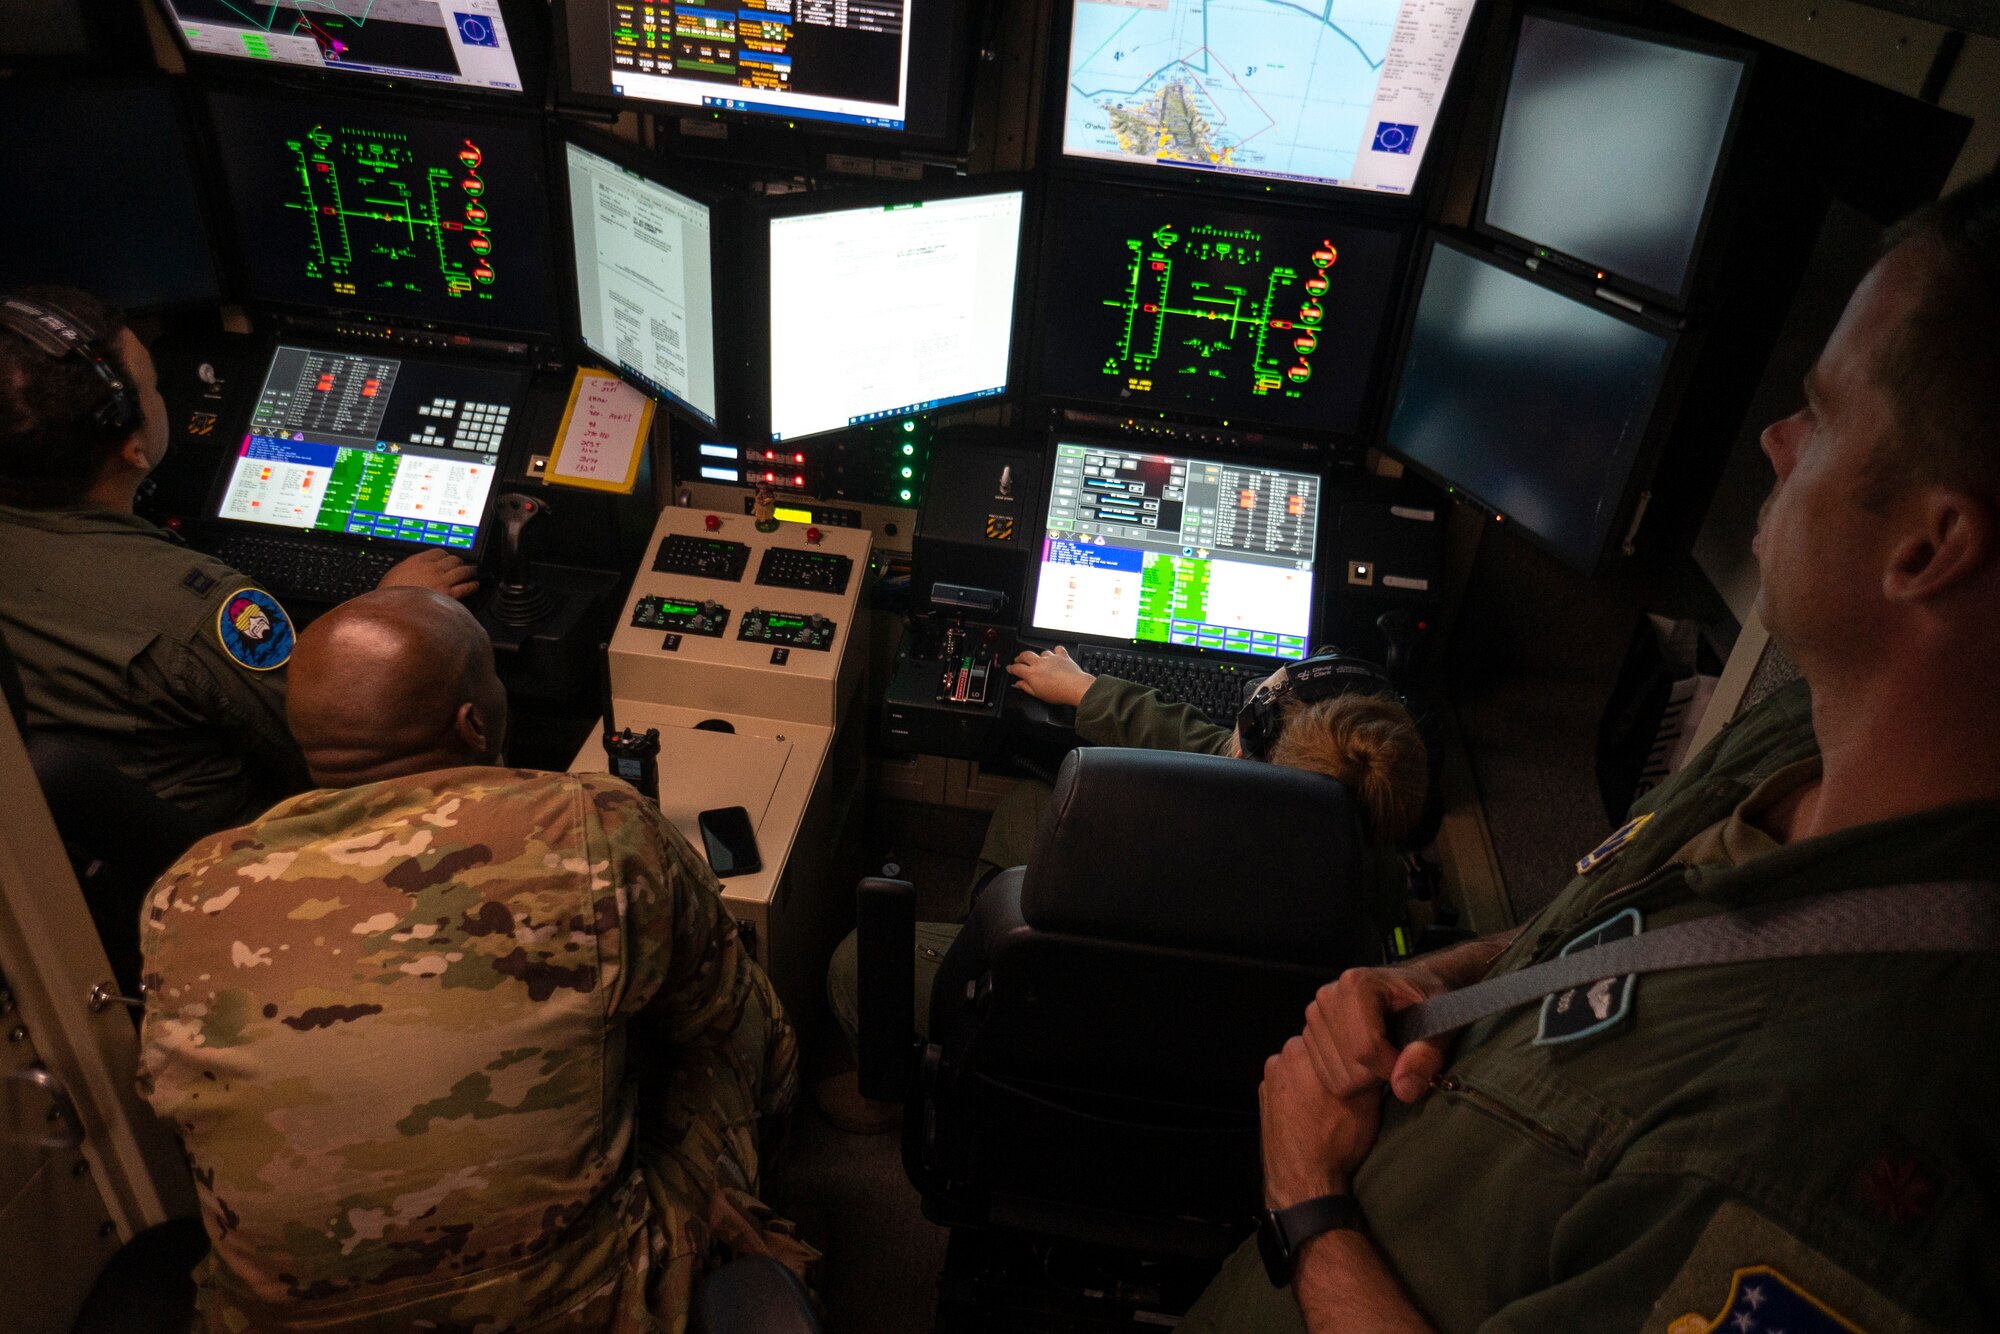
{"x":518,"y":600}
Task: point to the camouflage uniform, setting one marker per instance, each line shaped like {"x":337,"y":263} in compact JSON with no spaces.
{"x":472,"y":1049}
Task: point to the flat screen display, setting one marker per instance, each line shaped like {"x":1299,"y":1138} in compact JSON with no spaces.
{"x":1532,"y":401}
{"x":873,"y":66}
{"x":1608,"y":149}
{"x":372,"y":446}
{"x":1342,"y":94}
{"x":462,"y":42}
{"x":114,"y":209}
{"x":1171,"y":303}
{"x":358,"y":206}
{"x":884,"y":311}
{"x":1169,"y":549}
{"x":644,"y":282}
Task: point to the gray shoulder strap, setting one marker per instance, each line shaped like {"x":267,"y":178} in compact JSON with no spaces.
{"x":1939,"y":917}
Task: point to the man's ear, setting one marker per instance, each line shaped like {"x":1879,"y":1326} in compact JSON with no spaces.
{"x":131,"y":454}
{"x":1954,"y":541}
{"x":471,"y":727}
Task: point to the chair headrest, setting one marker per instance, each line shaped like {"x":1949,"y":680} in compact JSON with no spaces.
{"x":1199,"y":852}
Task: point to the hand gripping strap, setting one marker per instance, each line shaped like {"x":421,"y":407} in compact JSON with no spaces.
{"x":1931,"y":918}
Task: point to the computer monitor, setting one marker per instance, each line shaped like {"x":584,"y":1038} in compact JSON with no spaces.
{"x":465,"y":44}
{"x":876,"y":68}
{"x":1609,"y":148}
{"x":1534,"y":402}
{"x":1275,"y":91}
{"x":372,"y":446}
{"x":360,"y":207}
{"x":1206,"y":554}
{"x":1269,"y":315}
{"x":645,"y":280}
{"x":104,"y":192}
{"x":890,"y":309}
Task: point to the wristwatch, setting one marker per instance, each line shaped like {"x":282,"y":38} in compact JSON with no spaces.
{"x":1281,"y":1232}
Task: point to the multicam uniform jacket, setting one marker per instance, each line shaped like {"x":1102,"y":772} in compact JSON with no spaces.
{"x":472,"y":1049}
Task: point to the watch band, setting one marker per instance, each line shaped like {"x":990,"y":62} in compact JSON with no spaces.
{"x":1281,"y":1232}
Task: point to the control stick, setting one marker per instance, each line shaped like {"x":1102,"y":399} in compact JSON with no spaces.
{"x":518,"y":601}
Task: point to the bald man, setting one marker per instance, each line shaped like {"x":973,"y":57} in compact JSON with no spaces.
{"x":451,"y":1045}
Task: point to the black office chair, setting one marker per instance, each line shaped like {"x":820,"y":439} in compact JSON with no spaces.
{"x":1098,"y":1032}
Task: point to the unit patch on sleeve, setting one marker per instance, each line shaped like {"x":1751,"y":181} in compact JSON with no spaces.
{"x":1582,"y":1011}
{"x":1620,"y":836}
{"x":1747,"y":1275}
{"x":254,"y":630}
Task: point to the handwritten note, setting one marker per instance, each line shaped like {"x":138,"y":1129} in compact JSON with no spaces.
{"x":603,"y":429}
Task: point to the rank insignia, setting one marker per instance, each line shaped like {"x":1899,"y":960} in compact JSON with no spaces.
{"x":1764,"y":1301}
{"x":197,"y":583}
{"x":254,"y":630}
{"x":1582,"y":1011}
{"x":1620,"y":836}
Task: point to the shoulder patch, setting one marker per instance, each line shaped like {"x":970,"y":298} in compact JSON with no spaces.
{"x":1620,"y":836}
{"x":1747,"y":1275}
{"x":254,"y":630}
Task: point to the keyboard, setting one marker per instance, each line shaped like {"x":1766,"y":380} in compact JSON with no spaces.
{"x":1216,"y":688}
{"x":303,"y":568}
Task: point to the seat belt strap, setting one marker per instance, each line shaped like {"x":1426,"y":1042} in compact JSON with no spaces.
{"x":1931,"y":918}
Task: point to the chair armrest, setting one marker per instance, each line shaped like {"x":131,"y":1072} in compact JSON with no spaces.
{"x":752,"y":1294}
{"x":886,"y":961}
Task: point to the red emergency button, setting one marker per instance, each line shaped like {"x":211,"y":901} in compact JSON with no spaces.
{"x":813,"y":535}
{"x":713,"y":523}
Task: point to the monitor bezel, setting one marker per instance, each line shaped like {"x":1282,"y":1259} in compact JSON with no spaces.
{"x":1411,"y":205}
{"x":1031,"y":589}
{"x":754,"y":365}
{"x":1067,"y":190}
{"x":723,"y":249}
{"x":510,"y":446}
{"x":962,"y":58}
{"x":240,"y":279}
{"x":204,"y":180}
{"x":527,"y":32}
{"x":1645,"y":455}
{"x":1583,"y":267}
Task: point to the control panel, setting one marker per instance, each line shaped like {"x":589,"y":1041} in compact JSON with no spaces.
{"x":793,"y":657}
{"x":701,"y":556}
{"x":803,"y":568}
{"x":706,"y":617}
{"x":790,"y":628}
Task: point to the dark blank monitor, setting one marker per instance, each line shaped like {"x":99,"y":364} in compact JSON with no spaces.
{"x":369,"y":445}
{"x":1173,"y":303}
{"x":1344,"y":95}
{"x":644,"y":279}
{"x":1170,"y":550}
{"x":874,"y":67}
{"x":102,"y":193}
{"x":463,"y":43}
{"x":891,"y":309}
{"x":1533,"y":402}
{"x":358,"y":206}
{"x":1609,"y":147}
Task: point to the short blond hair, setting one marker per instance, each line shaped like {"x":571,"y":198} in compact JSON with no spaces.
{"x":1368,"y":743}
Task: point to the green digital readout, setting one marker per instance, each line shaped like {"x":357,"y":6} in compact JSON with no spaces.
{"x":676,"y":607}
{"x":773,"y":622}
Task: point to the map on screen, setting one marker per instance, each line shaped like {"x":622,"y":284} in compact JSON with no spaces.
{"x":1324,"y":92}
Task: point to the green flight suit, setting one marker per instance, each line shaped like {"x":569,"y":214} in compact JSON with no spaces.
{"x":120,"y":634}
{"x":473,"y":1049}
{"x":1801,"y":1144}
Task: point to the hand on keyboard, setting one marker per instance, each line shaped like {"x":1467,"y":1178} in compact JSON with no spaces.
{"x":1052,"y":677}
{"x":434,"y":568}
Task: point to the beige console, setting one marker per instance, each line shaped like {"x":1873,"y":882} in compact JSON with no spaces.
{"x":760,"y":722}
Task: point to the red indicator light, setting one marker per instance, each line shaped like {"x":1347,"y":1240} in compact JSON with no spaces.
{"x":713,"y":523}
{"x":799,"y":480}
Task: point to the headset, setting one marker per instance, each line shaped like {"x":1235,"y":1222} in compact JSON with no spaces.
{"x":1323,"y":675}
{"x":59,"y":333}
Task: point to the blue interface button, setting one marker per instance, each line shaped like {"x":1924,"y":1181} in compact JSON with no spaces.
{"x":458,"y":541}
{"x":1183,"y":637}
{"x":1264,"y":637}
{"x":1211,"y":641}
{"x":1392,"y":137}
{"x":1288,"y":642}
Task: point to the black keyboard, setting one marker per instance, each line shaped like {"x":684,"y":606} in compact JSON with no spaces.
{"x":1216,"y":688}
{"x":304,"y":568}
